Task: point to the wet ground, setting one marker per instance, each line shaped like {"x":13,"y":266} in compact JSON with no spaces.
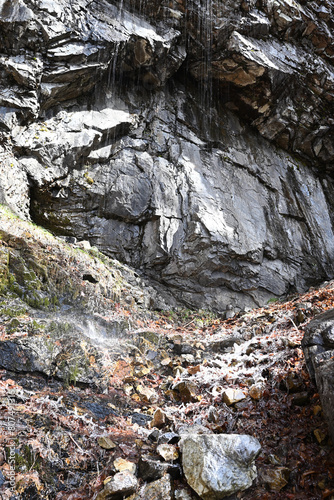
{"x":243,"y":375}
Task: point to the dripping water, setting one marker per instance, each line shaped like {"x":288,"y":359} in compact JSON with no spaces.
{"x":100,"y":333}
{"x":112,"y":68}
{"x":205,"y":43}
{"x":207,"y":35}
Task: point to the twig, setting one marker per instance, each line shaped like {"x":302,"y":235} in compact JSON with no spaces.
{"x":294,"y":324}
{"x":187,"y":324}
{"x":33,"y":462}
{"x":82,"y":451}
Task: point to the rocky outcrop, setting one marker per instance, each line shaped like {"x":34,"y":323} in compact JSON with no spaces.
{"x":72,"y":330}
{"x":137,"y":128}
{"x":273,"y":63}
{"x":318,"y":346}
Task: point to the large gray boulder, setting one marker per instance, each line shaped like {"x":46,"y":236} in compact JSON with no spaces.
{"x":318,"y":346}
{"x":217,"y":466}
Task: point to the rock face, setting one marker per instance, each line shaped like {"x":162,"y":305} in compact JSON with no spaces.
{"x":318,"y":346}
{"x":139,"y":129}
{"x":217,"y":466}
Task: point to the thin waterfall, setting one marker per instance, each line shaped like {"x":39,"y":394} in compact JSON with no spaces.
{"x":208,"y":56}
{"x":112,"y":68}
{"x":205,"y":42}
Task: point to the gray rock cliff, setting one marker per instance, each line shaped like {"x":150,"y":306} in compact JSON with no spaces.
{"x":191,"y":141}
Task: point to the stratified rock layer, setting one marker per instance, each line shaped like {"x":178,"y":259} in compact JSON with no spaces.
{"x":136,"y":127}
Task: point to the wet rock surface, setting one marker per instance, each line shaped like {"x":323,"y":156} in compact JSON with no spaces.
{"x":192,"y":142}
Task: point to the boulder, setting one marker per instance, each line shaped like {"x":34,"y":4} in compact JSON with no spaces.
{"x":122,"y":465}
{"x":318,"y":338}
{"x":159,"y":420}
{"x":231,"y":396}
{"x":168,"y":452}
{"x":217,"y":466}
{"x":151,"y":469}
{"x":120,"y":485}
{"x":157,"y":490}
